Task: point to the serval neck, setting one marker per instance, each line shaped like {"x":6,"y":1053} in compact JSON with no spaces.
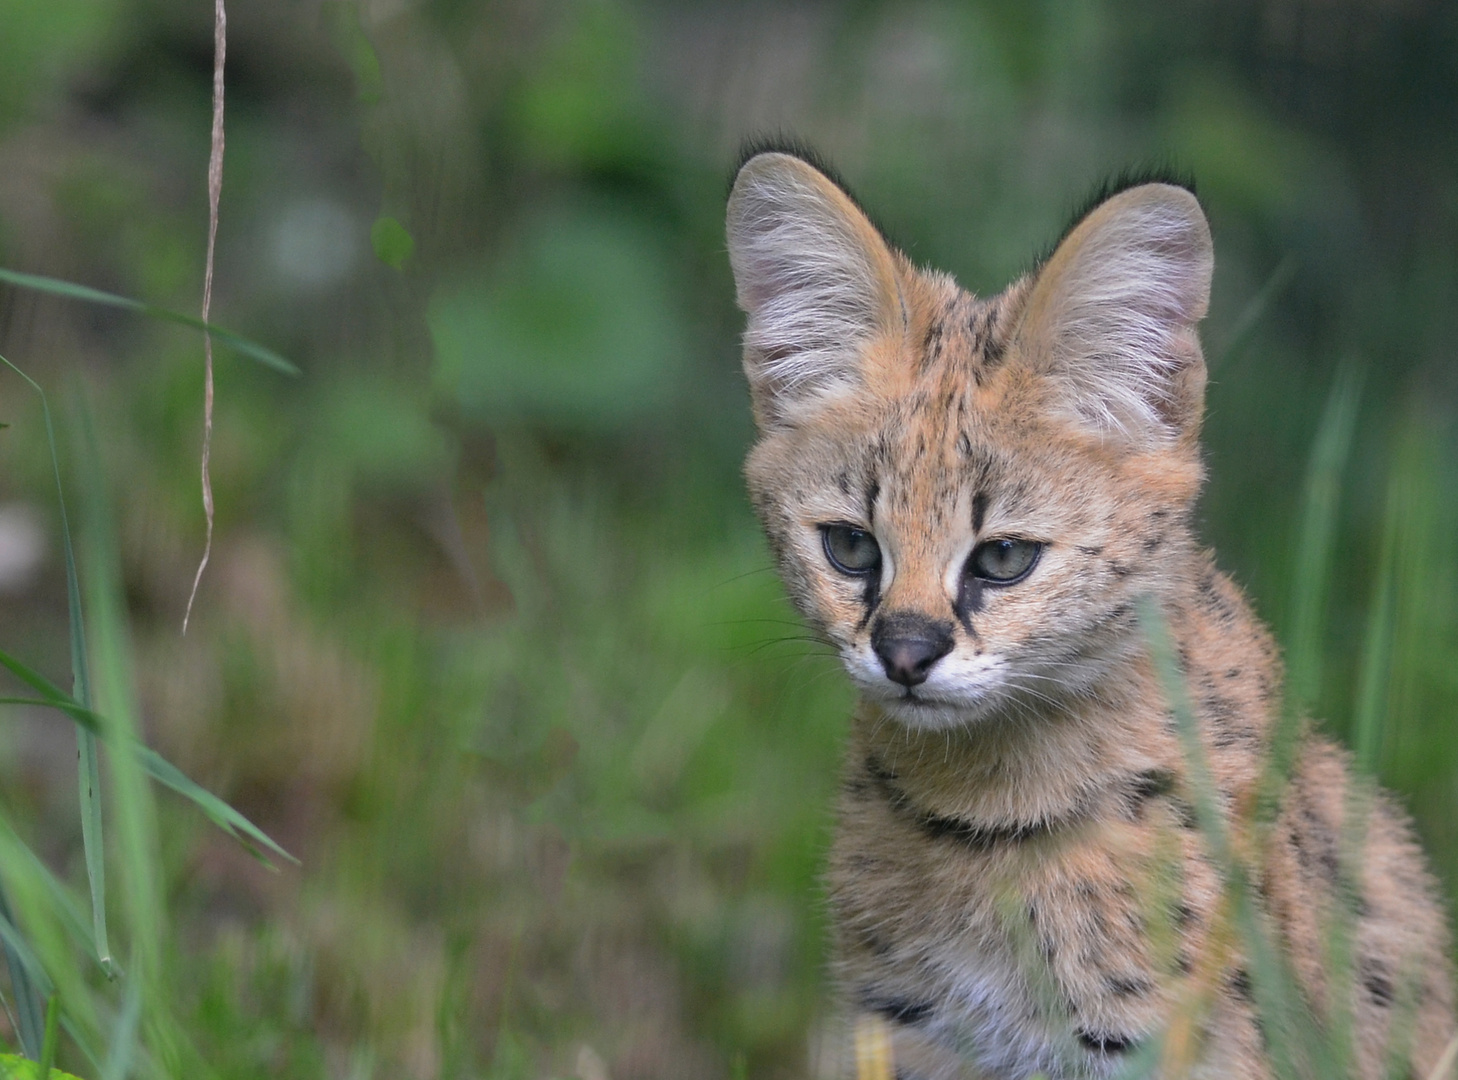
{"x":1023,"y":769}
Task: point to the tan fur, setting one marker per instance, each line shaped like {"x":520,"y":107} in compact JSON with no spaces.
{"x":1017,"y":882}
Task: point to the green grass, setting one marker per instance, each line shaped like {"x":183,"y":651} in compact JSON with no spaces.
{"x":50,"y":952}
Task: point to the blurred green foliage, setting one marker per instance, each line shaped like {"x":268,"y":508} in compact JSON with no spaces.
{"x":43,"y":43}
{"x":576,"y":327}
{"x":490,"y":638}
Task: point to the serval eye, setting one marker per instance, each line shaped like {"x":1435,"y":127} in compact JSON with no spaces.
{"x":1003,"y":561}
{"x":851,"y":550}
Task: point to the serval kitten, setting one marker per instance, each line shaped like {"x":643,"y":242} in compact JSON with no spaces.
{"x":967,"y":497}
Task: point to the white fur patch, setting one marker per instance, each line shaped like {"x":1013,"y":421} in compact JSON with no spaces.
{"x":961,"y":688}
{"x":967,"y":687}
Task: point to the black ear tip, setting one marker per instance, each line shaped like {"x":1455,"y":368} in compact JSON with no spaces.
{"x":780,"y":143}
{"x":793,"y":147}
{"x":1161,"y":172}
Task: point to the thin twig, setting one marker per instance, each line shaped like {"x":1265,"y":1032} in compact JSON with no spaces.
{"x":215,"y":191}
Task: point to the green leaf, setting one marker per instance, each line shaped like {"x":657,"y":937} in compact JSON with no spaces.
{"x":155,"y":765}
{"x":19,"y":1068}
{"x":251,"y":349}
{"x":392,"y":244}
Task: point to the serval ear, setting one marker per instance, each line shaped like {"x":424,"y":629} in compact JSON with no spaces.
{"x":816,"y":279}
{"x":1111,"y":316}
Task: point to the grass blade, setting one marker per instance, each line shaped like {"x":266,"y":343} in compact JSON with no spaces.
{"x":1444,"y":1067}
{"x":122,"y":1047}
{"x":52,"y":1035}
{"x":49,"y":691}
{"x":88,"y":780}
{"x":27,"y":979}
{"x":9,"y":1013}
{"x":1318,"y":525}
{"x":1425,"y":598}
{"x":1376,"y":669}
{"x":1309,"y":581}
{"x":219,"y":812}
{"x":1244,"y":328}
{"x":31,"y":967}
{"x":873,"y":1049}
{"x":89,"y":785}
{"x":88,"y":766}
{"x":154,"y":764}
{"x":130,"y":799}
{"x":57,"y":931}
{"x":1294,"y":1042}
{"x":82,"y":1041}
{"x":71,"y":291}
{"x":1202,"y":783}
{"x":17,"y":857}
{"x":84,"y":718}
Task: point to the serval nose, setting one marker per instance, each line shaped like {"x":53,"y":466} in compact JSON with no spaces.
{"x":908,"y":644}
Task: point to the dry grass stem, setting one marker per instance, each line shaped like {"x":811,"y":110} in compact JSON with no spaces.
{"x":873,"y":1049}
{"x":215,"y":191}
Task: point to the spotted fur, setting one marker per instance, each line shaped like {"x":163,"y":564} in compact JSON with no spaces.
{"x":1018,"y":884}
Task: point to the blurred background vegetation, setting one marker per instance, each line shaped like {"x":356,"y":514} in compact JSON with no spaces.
{"x":490,"y":639}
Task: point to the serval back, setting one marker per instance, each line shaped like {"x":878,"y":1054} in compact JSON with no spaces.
{"x":967,"y":497}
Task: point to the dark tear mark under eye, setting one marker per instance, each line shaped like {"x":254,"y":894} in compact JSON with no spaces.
{"x":969,"y":603}
{"x":870,"y":599}
{"x":969,"y":592}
